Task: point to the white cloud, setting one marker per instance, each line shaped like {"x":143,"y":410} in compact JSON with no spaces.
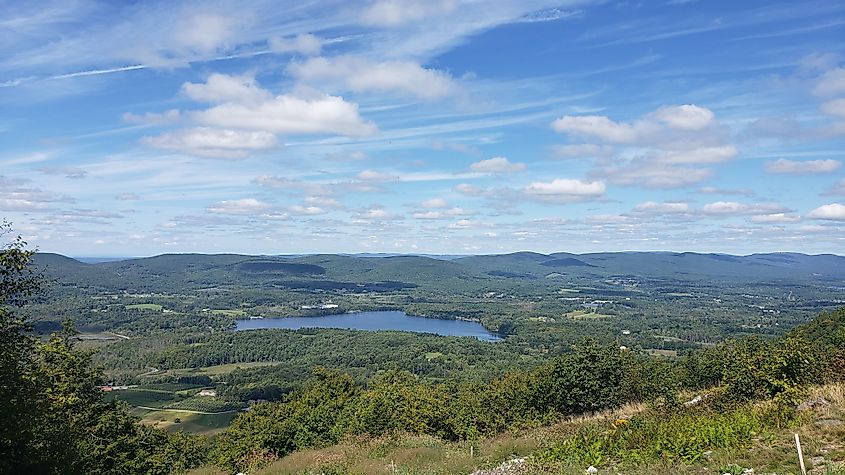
{"x":733,"y":208}
{"x":718,"y":154}
{"x":378,"y":214}
{"x":832,"y":211}
{"x":468,"y":224}
{"x":596,"y":126}
{"x":664,"y":207}
{"x":206,"y":32}
{"x":835,"y":108}
{"x":324,"y":202}
{"x":288,"y":114}
{"x":212,"y":142}
{"x":805,"y":167}
{"x":775,"y":218}
{"x":392,"y":13}
{"x":304,"y":43}
{"x":16,"y":195}
{"x":467,"y":189}
{"x":220,"y":88}
{"x":656,"y":149}
{"x":363,"y":75}
{"x":651,"y":174}
{"x":306,"y":210}
{"x":497,"y":165}
{"x":726,"y":191}
{"x":585,"y":150}
{"x":685,"y":117}
{"x":434,"y":203}
{"x":245,"y":206}
{"x":443,"y":214}
{"x":831,"y":83}
{"x":565,"y":190}
{"x":374,"y":175}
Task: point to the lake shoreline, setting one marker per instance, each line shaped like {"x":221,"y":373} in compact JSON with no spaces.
{"x":380,"y":320}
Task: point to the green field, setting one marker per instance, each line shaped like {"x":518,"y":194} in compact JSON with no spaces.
{"x":189,"y":422}
{"x":215,"y":370}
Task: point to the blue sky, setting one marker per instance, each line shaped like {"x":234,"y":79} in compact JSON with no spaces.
{"x":440,"y":126}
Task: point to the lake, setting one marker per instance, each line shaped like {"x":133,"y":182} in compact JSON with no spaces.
{"x":374,"y":321}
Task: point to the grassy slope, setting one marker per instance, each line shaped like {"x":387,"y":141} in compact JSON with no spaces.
{"x":769,"y":451}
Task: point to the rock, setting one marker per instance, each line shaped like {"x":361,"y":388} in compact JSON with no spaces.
{"x":828,"y":422}
{"x":511,"y":467}
{"x":694,"y":401}
{"x":815,"y":403}
{"x":817,"y":461}
{"x":592,"y":470}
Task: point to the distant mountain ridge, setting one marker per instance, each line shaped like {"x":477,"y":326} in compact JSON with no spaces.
{"x":342,"y":270}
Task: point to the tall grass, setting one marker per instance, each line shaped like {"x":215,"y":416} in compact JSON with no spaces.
{"x":655,"y":437}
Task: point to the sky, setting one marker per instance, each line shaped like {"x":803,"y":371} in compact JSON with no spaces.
{"x":423,"y":126}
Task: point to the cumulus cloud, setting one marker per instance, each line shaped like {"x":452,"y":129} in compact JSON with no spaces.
{"x":374,"y":175}
{"x":663,"y":149}
{"x":683,"y":118}
{"x":393,"y":13}
{"x":832,"y":212}
{"x":805,"y":167}
{"x":304,"y":43}
{"x":726,"y":191}
{"x":245,"y":206}
{"x":467,"y":189}
{"x":468,"y":224}
{"x":775,"y":218}
{"x":363,"y":75}
{"x":443,"y":214}
{"x":213,"y":142}
{"x":290,"y":114}
{"x":564,"y":190}
{"x":667,"y":207}
{"x":701,"y":155}
{"x":733,"y":208}
{"x":17,"y":195}
{"x":377,"y":213}
{"x":434,"y":203}
{"x":306,"y":210}
{"x":497,"y":165}
{"x":219,"y":88}
{"x":323,"y":202}
{"x":652,"y":174}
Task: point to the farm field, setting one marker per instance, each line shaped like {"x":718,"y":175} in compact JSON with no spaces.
{"x":173,"y":420}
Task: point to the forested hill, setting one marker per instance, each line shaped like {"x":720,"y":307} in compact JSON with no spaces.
{"x":197,"y":270}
